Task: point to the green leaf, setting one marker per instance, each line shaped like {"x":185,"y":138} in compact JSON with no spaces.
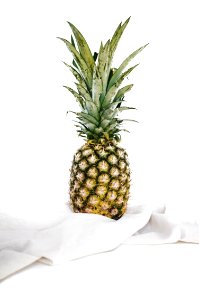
{"x":114,"y":89}
{"x":83,"y":92}
{"x":79,"y":99}
{"x":118,"y":72}
{"x":105,"y":123}
{"x":92,"y":109}
{"x":122,"y":91}
{"x":83,"y":128}
{"x":112,"y":45}
{"x":77,"y":75}
{"x":96,"y":88}
{"x":124,"y":75}
{"x":117,"y":35}
{"x":128,"y":120}
{"x":88,"y":124}
{"x":85,"y":70}
{"x":73,"y":43}
{"x":115,"y":130}
{"x":106,"y":54}
{"x":99,"y":130}
{"x":107,"y":114}
{"x":124,"y":108}
{"x":113,"y":105}
{"x":104,"y":64}
{"x":89,"y":118}
{"x":111,"y":126}
{"x":110,"y":95}
{"x":85,"y":132}
{"x":83,"y":47}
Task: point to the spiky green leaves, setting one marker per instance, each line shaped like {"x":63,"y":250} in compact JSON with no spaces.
{"x":83,"y":68}
{"x":99,"y":91}
{"x":117,"y":35}
{"x":84,"y":49}
{"x":119,"y":71}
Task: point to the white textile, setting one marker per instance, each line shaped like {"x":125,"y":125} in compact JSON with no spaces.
{"x":77,"y":235}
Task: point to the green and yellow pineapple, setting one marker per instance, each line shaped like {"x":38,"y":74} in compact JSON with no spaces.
{"x":100,"y":173}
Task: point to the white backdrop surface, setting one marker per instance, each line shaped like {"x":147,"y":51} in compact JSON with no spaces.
{"x":38,"y":141}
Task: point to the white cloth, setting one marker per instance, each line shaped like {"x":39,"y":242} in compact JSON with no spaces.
{"x":77,"y":235}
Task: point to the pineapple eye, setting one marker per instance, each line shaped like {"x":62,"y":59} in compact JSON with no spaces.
{"x":87,"y":152}
{"x":114,"y":211}
{"x":75,"y":168}
{"x":104,"y":206}
{"x":115,"y":184}
{"x":103,"y":178}
{"x":90,"y":183}
{"x":123,"y":190}
{"x":93,"y":199}
{"x":120,"y":153}
{"x":101,"y":190}
{"x":123,"y":177}
{"x":122,"y":164}
{"x":92,"y":172}
{"x":103,"y":166}
{"x":102,"y":153}
{"x":84,"y":193}
{"x":83,"y":164}
{"x":112,"y":195}
{"x":120,"y":199}
{"x":72,"y":193}
{"x":110,"y":148}
{"x":78,"y":202}
{"x":80,"y":176}
{"x":76,"y":185}
{"x":78,"y":156}
{"x":112,"y":159}
{"x":92,"y":159}
{"x":114,"y":172}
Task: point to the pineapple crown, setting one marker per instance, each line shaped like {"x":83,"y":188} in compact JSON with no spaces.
{"x":99,"y":92}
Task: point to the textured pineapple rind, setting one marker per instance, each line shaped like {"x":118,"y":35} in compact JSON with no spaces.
{"x":100,"y":180}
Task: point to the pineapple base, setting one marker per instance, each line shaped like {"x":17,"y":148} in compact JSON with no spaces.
{"x":100,"y":180}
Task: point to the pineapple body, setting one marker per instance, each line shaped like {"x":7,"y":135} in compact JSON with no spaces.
{"x":100,"y":180}
{"x":100,"y":175}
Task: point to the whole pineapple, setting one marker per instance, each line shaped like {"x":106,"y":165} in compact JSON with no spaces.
{"x":100,"y":174}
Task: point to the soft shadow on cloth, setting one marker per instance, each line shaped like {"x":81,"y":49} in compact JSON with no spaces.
{"x":76,"y":235}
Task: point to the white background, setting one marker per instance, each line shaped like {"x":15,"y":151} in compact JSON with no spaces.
{"x":37,"y":140}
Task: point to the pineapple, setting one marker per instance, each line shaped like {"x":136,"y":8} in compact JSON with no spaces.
{"x":100,"y":173}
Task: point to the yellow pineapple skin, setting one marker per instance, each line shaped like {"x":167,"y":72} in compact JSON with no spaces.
{"x":100,"y":180}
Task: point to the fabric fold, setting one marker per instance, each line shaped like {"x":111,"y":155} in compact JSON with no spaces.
{"x":75,"y":235}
